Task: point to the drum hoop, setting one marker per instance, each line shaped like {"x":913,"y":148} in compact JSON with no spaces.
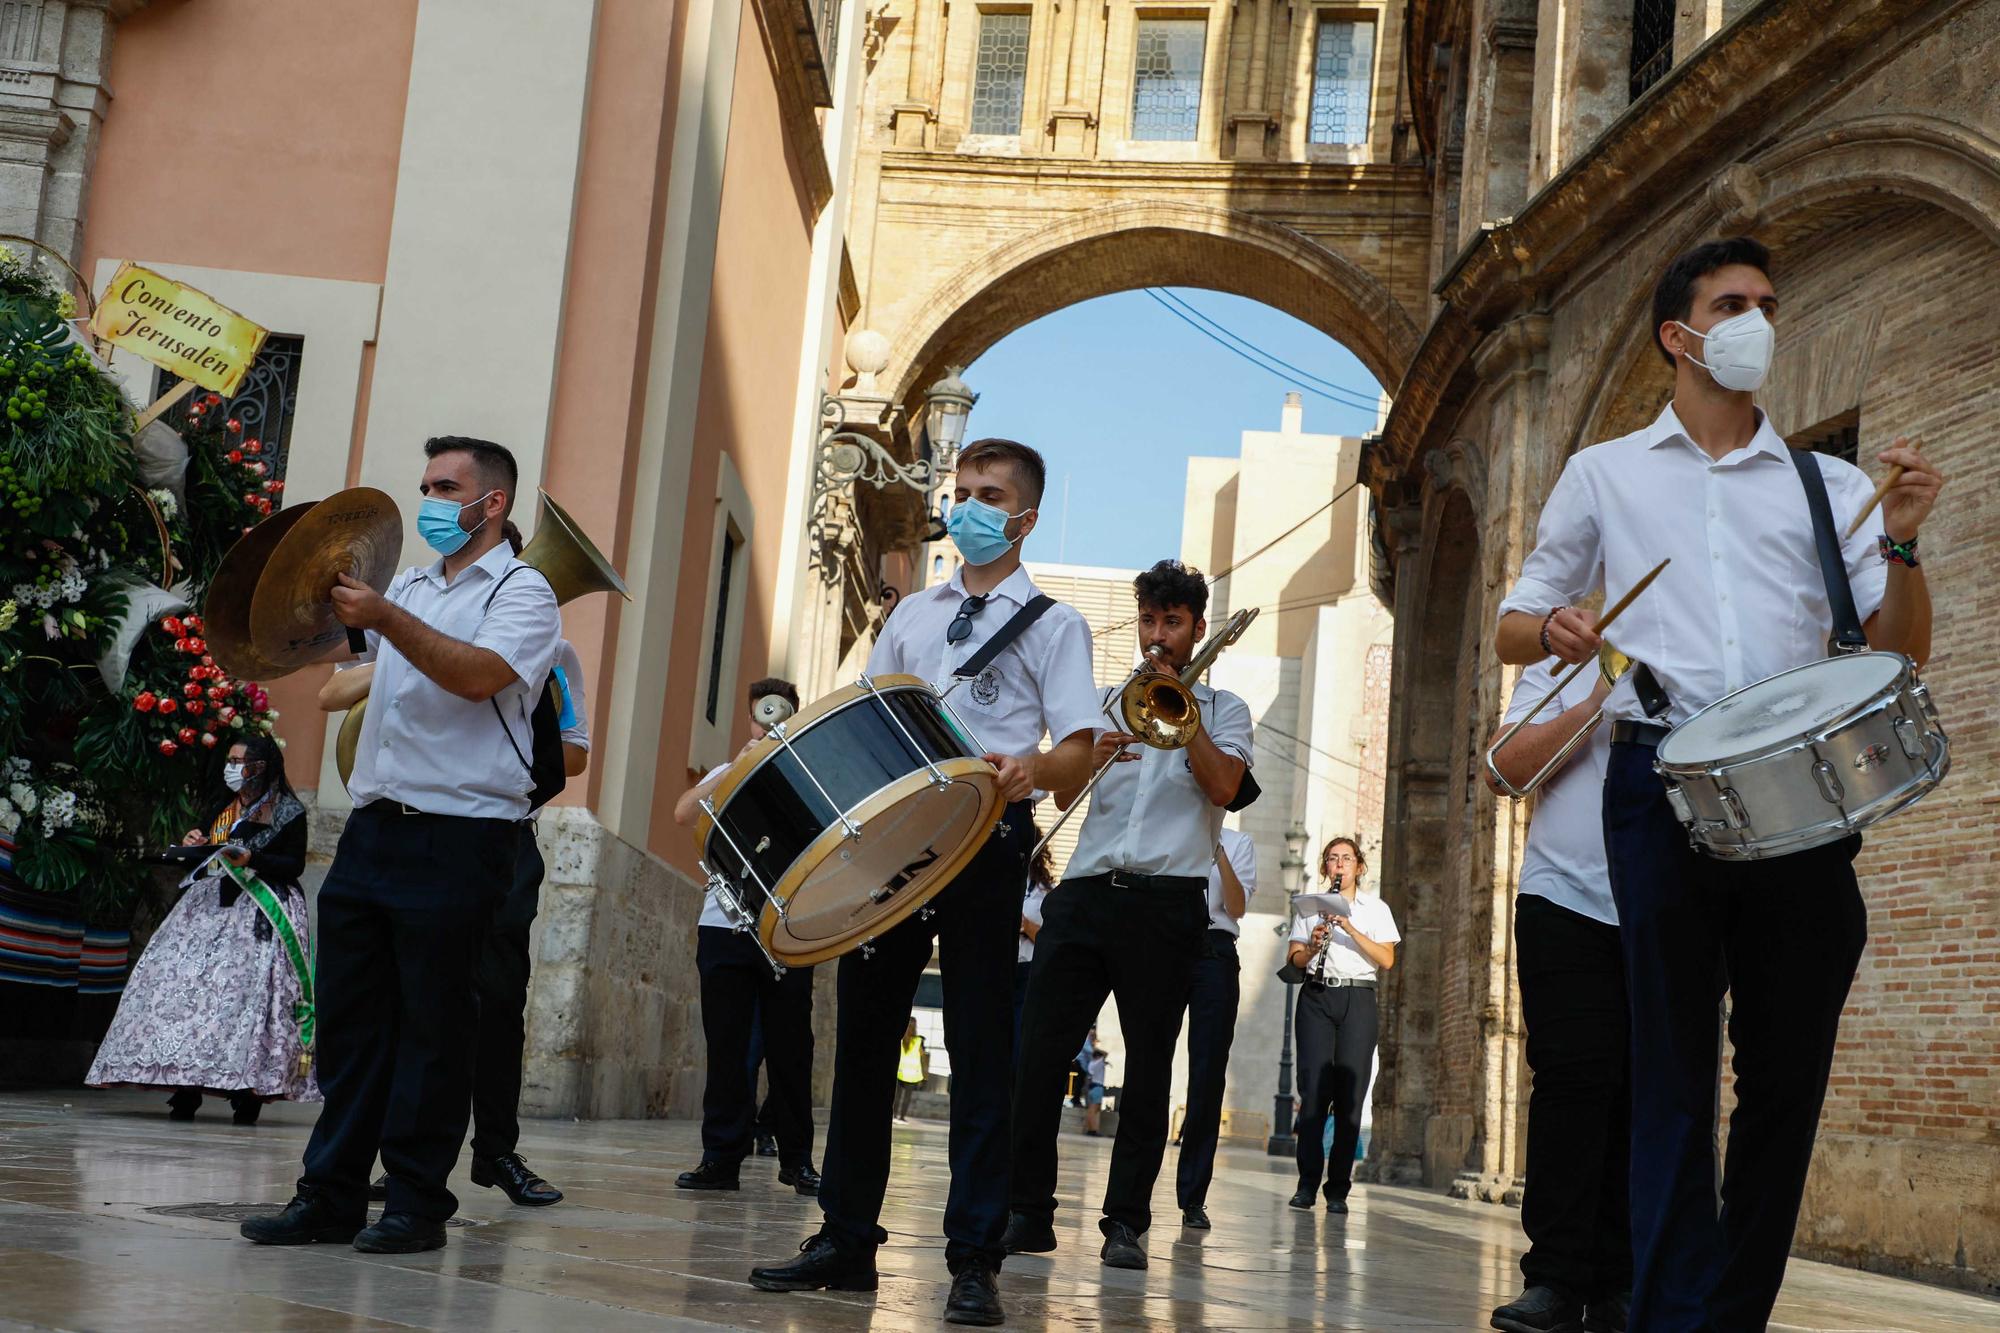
{"x":1832,"y":830}
{"x":819,"y":710}
{"x":1905,"y":677}
{"x":830,"y":838}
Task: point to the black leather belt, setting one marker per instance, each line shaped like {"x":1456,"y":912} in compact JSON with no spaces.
{"x":1131,"y":879}
{"x":1627,"y":732}
{"x":1359,"y":983}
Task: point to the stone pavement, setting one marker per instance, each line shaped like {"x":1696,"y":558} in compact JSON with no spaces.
{"x":96,"y":1232}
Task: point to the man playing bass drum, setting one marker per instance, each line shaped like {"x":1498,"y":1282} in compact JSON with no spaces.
{"x":1712,"y":485}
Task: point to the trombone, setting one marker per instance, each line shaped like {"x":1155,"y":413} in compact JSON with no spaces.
{"x":1159,"y":708}
{"x":1611,"y":664}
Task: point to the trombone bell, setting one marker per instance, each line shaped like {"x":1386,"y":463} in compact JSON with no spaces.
{"x":1611,"y":664}
{"x":1159,"y":710}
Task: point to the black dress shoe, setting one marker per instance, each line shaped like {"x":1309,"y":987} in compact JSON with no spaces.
{"x":766,"y":1146}
{"x":400,"y":1233}
{"x":1607,"y":1314}
{"x":1121,"y":1247}
{"x":246,"y":1110}
{"x":304,"y":1220}
{"x":975,"y":1296}
{"x":803,"y":1179}
{"x":379,"y":1191}
{"x":709,"y":1176}
{"x":1196,"y":1217}
{"x":511,"y":1174}
{"x":1336,"y":1206}
{"x":1025,"y":1235}
{"x":183,"y":1104}
{"x":1540,"y":1310}
{"x":821,"y":1266}
{"x":1302,"y":1199}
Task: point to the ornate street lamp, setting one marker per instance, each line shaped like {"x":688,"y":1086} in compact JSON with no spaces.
{"x":949,"y":405}
{"x":1292,"y":871}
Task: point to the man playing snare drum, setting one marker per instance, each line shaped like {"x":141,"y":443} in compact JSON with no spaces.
{"x":1036,"y":683}
{"x":1711,"y":484}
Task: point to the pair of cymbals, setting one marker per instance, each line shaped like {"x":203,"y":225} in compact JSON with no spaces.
{"x":269,"y":609}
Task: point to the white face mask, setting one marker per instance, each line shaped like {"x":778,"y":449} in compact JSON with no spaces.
{"x":232,"y":776}
{"x":1739,"y":350}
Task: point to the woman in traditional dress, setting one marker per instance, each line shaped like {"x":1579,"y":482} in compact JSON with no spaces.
{"x":214,"y":1003}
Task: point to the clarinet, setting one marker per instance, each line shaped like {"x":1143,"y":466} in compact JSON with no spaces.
{"x":1326,"y":946}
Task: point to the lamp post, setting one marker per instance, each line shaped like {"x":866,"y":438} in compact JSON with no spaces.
{"x":1293,"y":871}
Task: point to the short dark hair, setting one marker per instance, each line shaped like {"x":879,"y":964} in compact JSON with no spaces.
{"x":1029,"y":469}
{"x":777,"y":685}
{"x":494,"y":464}
{"x":1673,"y":297}
{"x":1171,"y":583}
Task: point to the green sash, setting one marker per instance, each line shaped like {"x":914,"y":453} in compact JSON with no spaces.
{"x":274,"y":911}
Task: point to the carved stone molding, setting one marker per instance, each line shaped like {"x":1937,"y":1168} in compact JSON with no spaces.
{"x":1517,"y":348}
{"x":1737,"y":196}
{"x":1458,"y":465}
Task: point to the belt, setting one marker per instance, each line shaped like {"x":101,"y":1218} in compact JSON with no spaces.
{"x":1627,"y":732}
{"x":388,"y":807}
{"x":1132,"y":879}
{"x":1358,"y":983}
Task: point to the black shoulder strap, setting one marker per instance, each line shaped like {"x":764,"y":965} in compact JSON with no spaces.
{"x":1847,"y":636}
{"x":1009,"y":632}
{"x":506,"y":730}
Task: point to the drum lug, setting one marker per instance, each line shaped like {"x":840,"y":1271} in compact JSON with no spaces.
{"x":1679,"y":801}
{"x":925,"y":913}
{"x":1908,"y":737}
{"x":1732,"y":807}
{"x":1829,"y":782}
{"x":868,"y":947}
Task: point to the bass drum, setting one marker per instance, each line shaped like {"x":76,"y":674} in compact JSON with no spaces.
{"x":1804,"y":758}
{"x":846,"y":819}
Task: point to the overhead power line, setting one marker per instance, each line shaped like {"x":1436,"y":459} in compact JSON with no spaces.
{"x":1258,"y":357}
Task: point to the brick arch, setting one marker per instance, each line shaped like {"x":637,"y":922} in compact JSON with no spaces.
{"x":1805,"y":185}
{"x":1125,"y":246}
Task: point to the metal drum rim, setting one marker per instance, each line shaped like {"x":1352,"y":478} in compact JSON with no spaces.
{"x":1819,"y":835}
{"x":1905,"y":675}
{"x":975,"y":772}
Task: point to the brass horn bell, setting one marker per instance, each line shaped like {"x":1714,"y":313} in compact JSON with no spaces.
{"x":568,"y":559}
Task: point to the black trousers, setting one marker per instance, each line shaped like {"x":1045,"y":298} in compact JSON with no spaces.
{"x":1783,"y":936}
{"x":402,"y":918}
{"x":502,"y":983}
{"x":974,"y":923}
{"x":1575,"y":1209}
{"x":1335,"y":1030}
{"x":1211,"y":1018}
{"x":753,"y":1061}
{"x":738,"y":990}
{"x":1139,"y":945}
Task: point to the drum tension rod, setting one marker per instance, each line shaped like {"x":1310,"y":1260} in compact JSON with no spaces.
{"x":852,"y":829}
{"x":708,"y":807}
{"x":938,"y":779}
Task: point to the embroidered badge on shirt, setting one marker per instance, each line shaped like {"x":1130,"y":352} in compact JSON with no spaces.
{"x":986,"y":687}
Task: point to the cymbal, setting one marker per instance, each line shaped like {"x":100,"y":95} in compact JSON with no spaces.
{"x":225,"y":611}
{"x":356,"y":532}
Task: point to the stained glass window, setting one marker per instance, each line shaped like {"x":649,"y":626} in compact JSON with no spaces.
{"x":1000,"y":74}
{"x":1343,"y":68}
{"x":1166,"y":95}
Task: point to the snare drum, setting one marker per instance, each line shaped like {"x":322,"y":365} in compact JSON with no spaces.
{"x":1804,"y":758}
{"x":846,"y":819}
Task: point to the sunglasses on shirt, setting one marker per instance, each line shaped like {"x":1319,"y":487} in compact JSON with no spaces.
{"x":960,"y":628}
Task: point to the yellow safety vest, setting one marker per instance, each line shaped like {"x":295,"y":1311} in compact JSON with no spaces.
{"x":911,"y":1070}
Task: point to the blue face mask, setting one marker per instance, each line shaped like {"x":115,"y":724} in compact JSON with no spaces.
{"x":437,"y":524}
{"x":979,"y":530}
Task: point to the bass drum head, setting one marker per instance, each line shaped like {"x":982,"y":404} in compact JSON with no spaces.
{"x":915,"y":836}
{"x":1784,"y":709}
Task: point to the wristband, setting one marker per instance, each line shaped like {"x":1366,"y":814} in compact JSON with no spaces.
{"x":1546,"y":648}
{"x":1898,"y":553}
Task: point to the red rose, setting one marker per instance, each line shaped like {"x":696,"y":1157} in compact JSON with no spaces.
{"x":217,"y":694}
{"x":208,"y":739}
{"x":235,"y":455}
{"x":232,"y":425}
{"x":144,"y":701}
{"x":195,"y":706}
{"x":168,"y":706}
{"x":253,"y":446}
{"x":277,"y":485}
{"x":197,"y":646}
{"x":193,"y":623}
{"x":191,"y":690}
{"x":168,"y":748}
{"x":212,"y":400}
{"x":181,"y":644}
{"x":208,"y":661}
{"x":173,"y":626}
{"x":224,"y":714}
{"x":187,"y":735}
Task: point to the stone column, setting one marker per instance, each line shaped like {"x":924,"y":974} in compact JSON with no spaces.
{"x":1582,"y":79}
{"x":912,"y":116}
{"x":1499,"y":112}
{"x":53,"y":58}
{"x":1252,"y":124}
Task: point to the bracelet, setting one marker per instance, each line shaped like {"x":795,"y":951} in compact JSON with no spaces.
{"x":1898,"y":553}
{"x":1546,"y":648}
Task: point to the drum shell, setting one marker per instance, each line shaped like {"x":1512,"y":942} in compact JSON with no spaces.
{"x":1819,"y":788}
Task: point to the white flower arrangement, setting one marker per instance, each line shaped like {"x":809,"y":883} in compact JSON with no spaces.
{"x":58,"y":812}
{"x":23,"y":796}
{"x":10,"y":818}
{"x":163,"y":499}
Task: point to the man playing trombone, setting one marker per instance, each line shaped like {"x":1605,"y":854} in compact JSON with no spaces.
{"x":1132,"y":916}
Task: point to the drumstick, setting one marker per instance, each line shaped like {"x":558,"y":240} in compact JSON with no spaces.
{"x":1895,"y":475}
{"x":1625,"y":601}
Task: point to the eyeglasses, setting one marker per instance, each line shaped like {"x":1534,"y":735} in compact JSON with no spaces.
{"x":960,"y":628}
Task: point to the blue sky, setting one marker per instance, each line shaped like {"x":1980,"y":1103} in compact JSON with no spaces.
{"x":1119,"y":392}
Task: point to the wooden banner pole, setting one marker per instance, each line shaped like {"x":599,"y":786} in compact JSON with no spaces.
{"x":162,"y":403}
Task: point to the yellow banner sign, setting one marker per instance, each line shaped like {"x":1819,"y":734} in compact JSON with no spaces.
{"x":178,"y":329}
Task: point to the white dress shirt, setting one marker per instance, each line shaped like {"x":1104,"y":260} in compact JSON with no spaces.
{"x":1242,"y":854}
{"x":428,"y":748}
{"x":1031,"y":908}
{"x":1565,"y":861}
{"x":1150,"y":816}
{"x":576,"y":733}
{"x":1345,"y":961}
{"x":1042,"y":683}
{"x":1743,"y":599}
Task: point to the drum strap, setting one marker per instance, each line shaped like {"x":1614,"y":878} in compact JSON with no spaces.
{"x":1847,"y":636}
{"x":1015,"y":627}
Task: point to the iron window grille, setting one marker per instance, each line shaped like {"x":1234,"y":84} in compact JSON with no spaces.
{"x":1652,"y":43}
{"x":1343,"y":68}
{"x":265,"y":403}
{"x":1000,"y":74}
{"x":1166,"y":95}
